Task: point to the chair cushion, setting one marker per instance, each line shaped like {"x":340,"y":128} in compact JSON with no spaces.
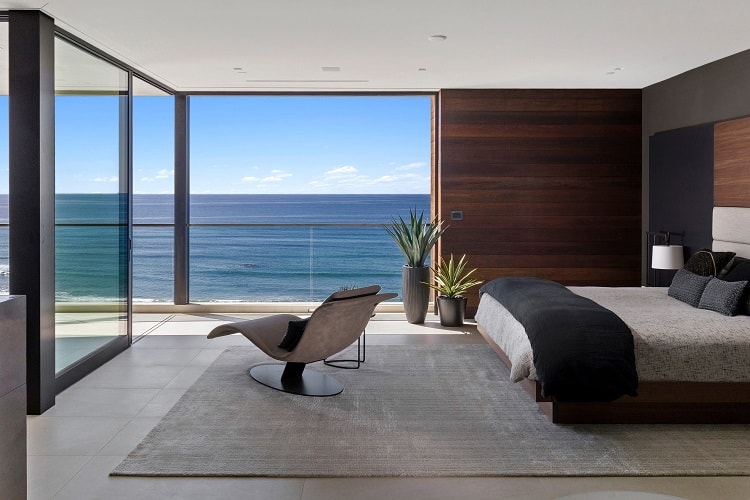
{"x":293,"y":334}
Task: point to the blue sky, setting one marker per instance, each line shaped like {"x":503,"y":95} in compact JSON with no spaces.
{"x":310,"y":144}
{"x":255,"y":144}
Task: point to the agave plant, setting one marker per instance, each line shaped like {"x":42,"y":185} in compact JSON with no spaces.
{"x":450,"y":279}
{"x":416,"y":237}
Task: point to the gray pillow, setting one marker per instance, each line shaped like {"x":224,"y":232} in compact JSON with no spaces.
{"x":688,"y":287}
{"x":722,"y":296}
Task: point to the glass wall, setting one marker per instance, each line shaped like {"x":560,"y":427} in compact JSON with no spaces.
{"x":289,"y":194}
{"x":91,"y":203}
{"x":4,"y":153}
{"x":153,"y":193}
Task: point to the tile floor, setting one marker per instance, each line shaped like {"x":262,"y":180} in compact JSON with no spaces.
{"x":98,"y":421}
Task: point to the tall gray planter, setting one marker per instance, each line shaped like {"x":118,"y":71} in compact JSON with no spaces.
{"x":415,"y":293}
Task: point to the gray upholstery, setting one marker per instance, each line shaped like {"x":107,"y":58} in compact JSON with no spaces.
{"x":730,"y":230}
{"x":333,"y":326}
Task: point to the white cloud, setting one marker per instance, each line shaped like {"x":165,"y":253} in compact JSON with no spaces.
{"x":406,"y":178}
{"x":337,"y":173}
{"x":106,"y":179}
{"x":161,"y":174}
{"x":412,"y":165}
{"x":394,"y":178}
{"x":276,"y":175}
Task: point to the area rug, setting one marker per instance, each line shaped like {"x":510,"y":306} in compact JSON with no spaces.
{"x":410,"y":411}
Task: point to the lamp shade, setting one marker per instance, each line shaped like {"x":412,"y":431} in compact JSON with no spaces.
{"x":667,"y":257}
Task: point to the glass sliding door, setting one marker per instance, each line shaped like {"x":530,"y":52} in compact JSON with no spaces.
{"x":92,"y":205}
{"x":4,"y":172}
{"x":153,"y":200}
{"x":153,"y":193}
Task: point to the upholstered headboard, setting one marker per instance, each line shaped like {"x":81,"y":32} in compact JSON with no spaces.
{"x":731,"y":230}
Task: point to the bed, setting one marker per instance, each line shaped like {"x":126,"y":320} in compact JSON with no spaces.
{"x":693,"y":365}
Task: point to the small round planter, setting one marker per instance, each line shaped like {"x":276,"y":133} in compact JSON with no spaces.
{"x":415,"y":294}
{"x":452,"y":310}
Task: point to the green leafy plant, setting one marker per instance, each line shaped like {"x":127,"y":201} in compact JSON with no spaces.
{"x":416,"y":237}
{"x":450,"y":280}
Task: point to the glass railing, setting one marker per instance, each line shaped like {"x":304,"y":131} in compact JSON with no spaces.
{"x":254,"y":262}
{"x":153,"y":263}
{"x":289,"y":262}
{"x":90,"y":263}
{"x":4,"y":260}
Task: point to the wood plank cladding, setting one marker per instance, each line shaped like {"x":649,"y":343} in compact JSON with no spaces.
{"x":731,"y":164}
{"x":549,"y":182}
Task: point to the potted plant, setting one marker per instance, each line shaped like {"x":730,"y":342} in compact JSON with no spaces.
{"x":415,"y":238}
{"x":451,"y":282}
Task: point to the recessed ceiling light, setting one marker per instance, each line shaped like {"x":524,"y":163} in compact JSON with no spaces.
{"x":618,"y":69}
{"x":237,"y":69}
{"x":437,"y":38}
{"x":330,"y":68}
{"x":610,"y":73}
{"x":422,"y":69}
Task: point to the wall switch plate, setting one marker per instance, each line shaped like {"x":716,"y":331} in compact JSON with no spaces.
{"x":457,"y":215}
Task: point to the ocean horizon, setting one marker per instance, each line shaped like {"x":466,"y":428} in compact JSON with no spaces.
{"x":280,"y":248}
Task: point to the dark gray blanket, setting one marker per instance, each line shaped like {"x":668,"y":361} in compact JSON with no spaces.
{"x":582,"y":351}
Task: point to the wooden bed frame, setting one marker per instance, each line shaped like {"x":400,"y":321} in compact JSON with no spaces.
{"x":657,"y":402}
{"x":665,"y":402}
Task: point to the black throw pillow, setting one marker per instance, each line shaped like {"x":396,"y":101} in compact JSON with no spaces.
{"x":740,"y":271}
{"x":293,"y":334}
{"x":708,"y":263}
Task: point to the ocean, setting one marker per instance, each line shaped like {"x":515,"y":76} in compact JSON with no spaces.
{"x":294,"y":250}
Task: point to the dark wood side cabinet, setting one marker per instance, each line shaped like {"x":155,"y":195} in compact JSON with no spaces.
{"x":13,"y":396}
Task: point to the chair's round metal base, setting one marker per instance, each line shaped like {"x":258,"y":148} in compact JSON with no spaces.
{"x":310,"y":383}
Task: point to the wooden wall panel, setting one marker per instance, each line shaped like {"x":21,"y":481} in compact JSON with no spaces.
{"x":549,"y":182}
{"x":732,"y":163}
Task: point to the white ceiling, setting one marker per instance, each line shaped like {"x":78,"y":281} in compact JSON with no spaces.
{"x":382,"y":44}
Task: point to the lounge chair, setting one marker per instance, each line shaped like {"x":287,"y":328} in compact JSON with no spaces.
{"x":332,"y":327}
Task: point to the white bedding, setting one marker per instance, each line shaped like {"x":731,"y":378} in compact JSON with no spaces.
{"x":673,"y":341}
